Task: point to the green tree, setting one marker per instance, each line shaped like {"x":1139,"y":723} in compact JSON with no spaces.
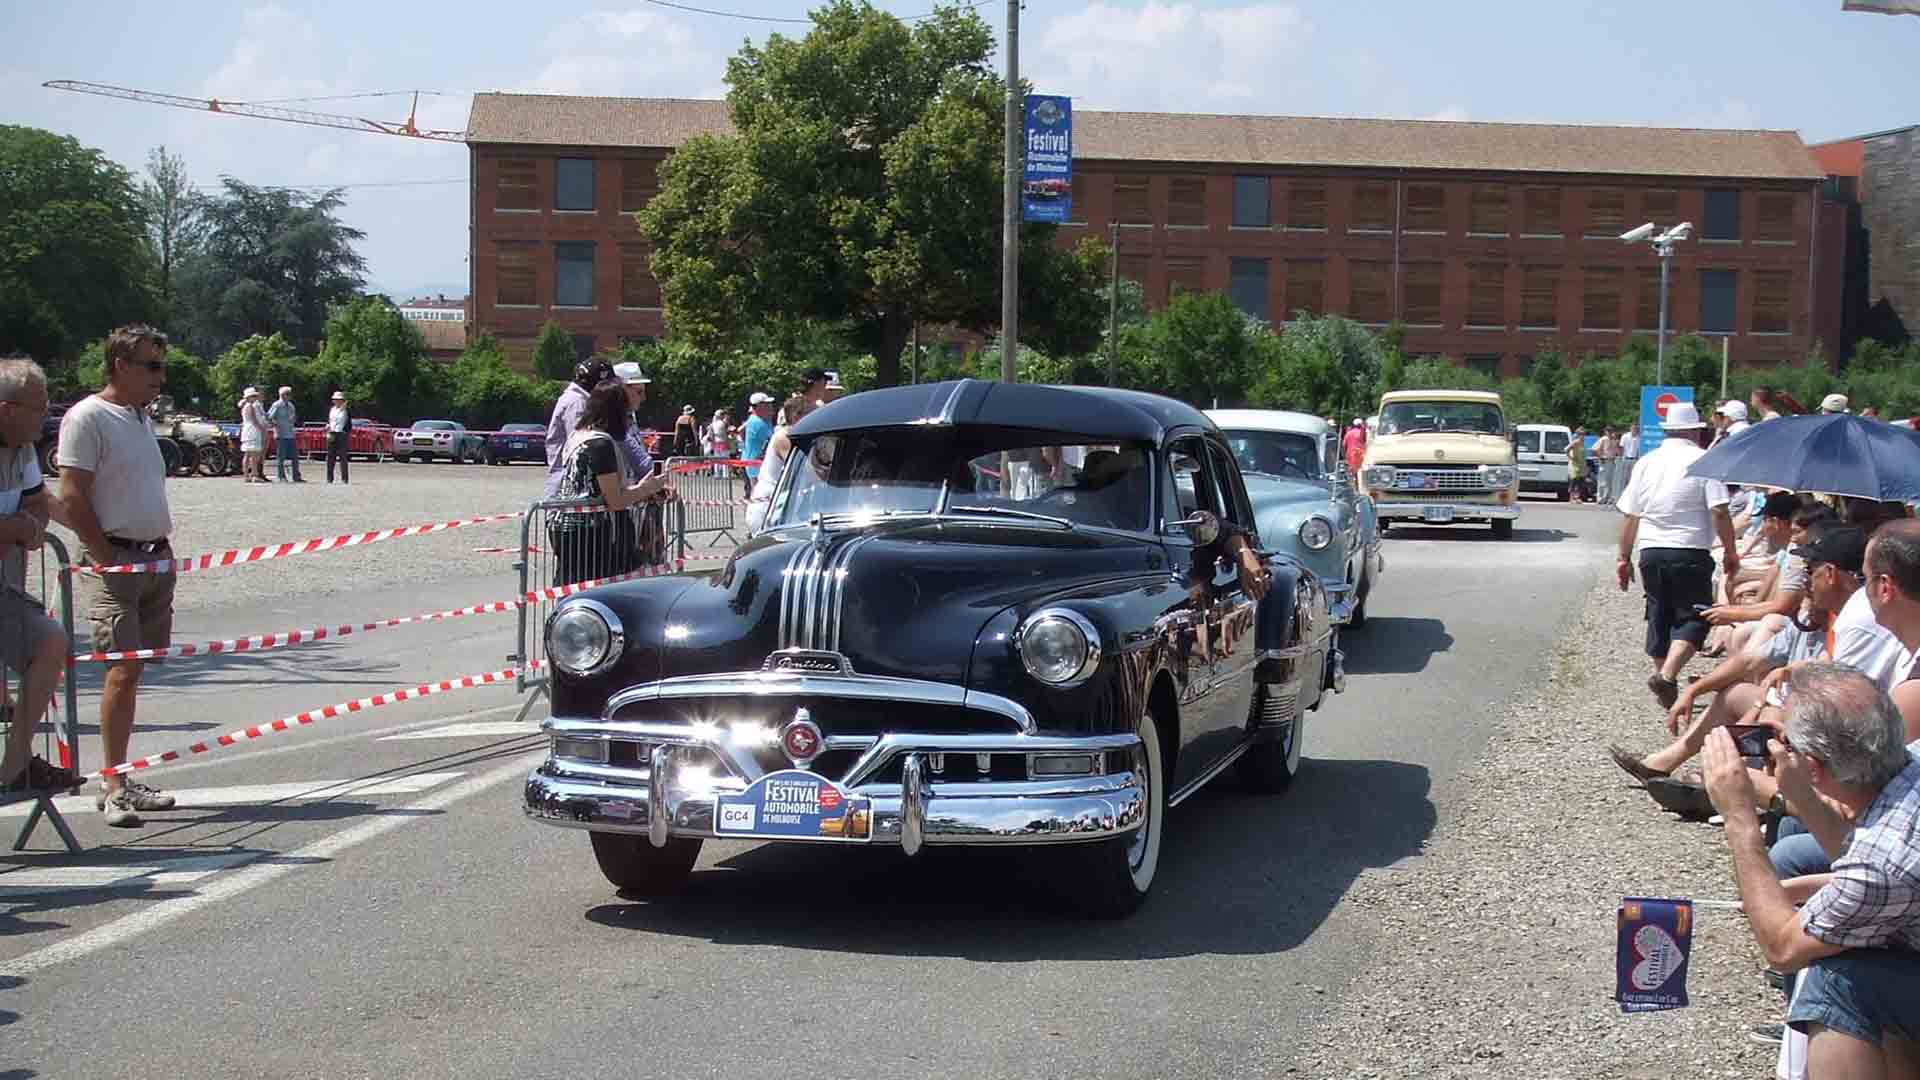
{"x":273,"y":259}
{"x":175,"y":225}
{"x":264,"y":361}
{"x":553,"y":352}
{"x":1208,"y":346}
{"x":487,"y":392}
{"x":381,"y":361}
{"x":862,"y":186}
{"x":73,"y":256}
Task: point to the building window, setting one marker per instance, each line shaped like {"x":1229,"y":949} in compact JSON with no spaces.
{"x":1487,"y":210}
{"x":1646,"y":311}
{"x":573,"y":274}
{"x":1540,"y":212}
{"x":572,"y":183}
{"x":1717,"y":301}
{"x":1130,"y":203}
{"x":1723,"y":215}
{"x":1772,"y":301}
{"x":1247,"y":286}
{"x":1773,"y":218}
{"x":1420,"y":286}
{"x":1372,"y":208}
{"x":639,"y":183}
{"x":513,"y":276}
{"x":1486,"y":294}
{"x":1306,"y":287}
{"x":1487,"y":364}
{"x":1077,"y":211}
{"x":514,"y":185}
{"x":1370,"y":292}
{"x":1600,"y":307}
{"x":1606,"y":212}
{"x":1187,"y":202}
{"x":638,"y":289}
{"x":1306,"y":205}
{"x":1426,"y":208}
{"x":1250,"y":207}
{"x":1660,"y":207}
{"x":583,"y":346}
{"x":1540,"y":298}
{"x":1185,"y":273}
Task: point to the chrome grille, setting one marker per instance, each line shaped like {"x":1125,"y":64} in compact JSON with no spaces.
{"x":1481,"y":495}
{"x":1438,"y":480}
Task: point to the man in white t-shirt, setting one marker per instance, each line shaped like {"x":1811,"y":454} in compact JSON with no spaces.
{"x":1671,"y":522}
{"x":32,"y":646}
{"x":113,"y":494}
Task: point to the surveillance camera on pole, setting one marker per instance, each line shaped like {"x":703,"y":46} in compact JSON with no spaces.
{"x":1679,"y":232}
{"x":1634,"y":236}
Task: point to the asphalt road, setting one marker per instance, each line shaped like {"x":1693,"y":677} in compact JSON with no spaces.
{"x":363,"y":898}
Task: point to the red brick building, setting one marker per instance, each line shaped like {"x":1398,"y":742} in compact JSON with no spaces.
{"x":1877,"y":176}
{"x":1487,"y":242}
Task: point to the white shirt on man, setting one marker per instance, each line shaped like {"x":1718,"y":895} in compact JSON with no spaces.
{"x":1675,"y":510}
{"x":1861,"y":643}
{"x":115,"y":443}
{"x":337,"y":419}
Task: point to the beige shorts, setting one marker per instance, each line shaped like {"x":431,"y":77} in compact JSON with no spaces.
{"x":134,"y":611}
{"x":24,"y":630}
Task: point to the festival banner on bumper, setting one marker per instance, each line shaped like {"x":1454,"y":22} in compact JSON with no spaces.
{"x":794,"y":805}
{"x":1650,"y":959}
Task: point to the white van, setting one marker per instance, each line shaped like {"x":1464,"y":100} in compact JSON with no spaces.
{"x":1540,"y":450}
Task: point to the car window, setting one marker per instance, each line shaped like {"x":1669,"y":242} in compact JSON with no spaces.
{"x":1276,"y":453}
{"x":1557,"y":441}
{"x":1402,"y":417}
{"x":1233,"y":493}
{"x":1527,"y":442}
{"x":1192,"y":485}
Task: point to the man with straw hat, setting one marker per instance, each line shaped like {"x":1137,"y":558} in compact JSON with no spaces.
{"x":1671,"y":522}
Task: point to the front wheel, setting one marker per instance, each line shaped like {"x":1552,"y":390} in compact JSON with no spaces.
{"x":170,"y":456}
{"x":1270,"y":767}
{"x":1111,"y":878}
{"x":635,"y":867}
{"x":211,"y":460}
{"x":1360,"y":594}
{"x":1503,"y":529}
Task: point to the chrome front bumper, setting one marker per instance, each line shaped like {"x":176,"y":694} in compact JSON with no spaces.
{"x":1462,"y":511}
{"x":656,"y":801}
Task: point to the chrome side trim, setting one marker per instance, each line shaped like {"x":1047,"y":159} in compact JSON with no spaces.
{"x":1295,"y":652}
{"x":913,"y":806}
{"x":1212,"y":771}
{"x":787,"y":684}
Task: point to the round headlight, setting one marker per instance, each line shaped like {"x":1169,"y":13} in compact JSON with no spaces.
{"x":1501,"y":476}
{"x":1059,"y":647}
{"x":1380,"y":476}
{"x":1316,"y":533}
{"x":584,"y":637}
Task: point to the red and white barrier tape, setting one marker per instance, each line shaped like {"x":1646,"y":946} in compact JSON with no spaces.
{"x":713,"y":502}
{"x":238,"y":556}
{"x":696,"y":465}
{"x":391,"y":697}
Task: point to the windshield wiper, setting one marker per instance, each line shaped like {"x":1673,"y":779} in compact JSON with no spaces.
{"x":1010,"y":512}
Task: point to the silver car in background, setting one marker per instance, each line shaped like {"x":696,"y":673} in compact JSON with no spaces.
{"x":1306,"y":504}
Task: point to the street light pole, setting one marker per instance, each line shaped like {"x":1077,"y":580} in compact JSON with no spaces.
{"x":1663,"y":248}
{"x":1113,"y":309}
{"x":1010,"y":211}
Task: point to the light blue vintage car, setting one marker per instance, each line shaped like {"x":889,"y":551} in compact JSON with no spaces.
{"x":1306,"y":504}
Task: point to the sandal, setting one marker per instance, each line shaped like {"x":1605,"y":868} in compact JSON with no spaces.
{"x":1665,"y":690}
{"x":1632,"y":765}
{"x":1688,"y":800}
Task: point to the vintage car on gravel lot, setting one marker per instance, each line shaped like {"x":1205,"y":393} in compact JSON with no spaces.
{"x":516,"y":442}
{"x":980,"y":613}
{"x":1306,"y":504}
{"x":428,"y":439}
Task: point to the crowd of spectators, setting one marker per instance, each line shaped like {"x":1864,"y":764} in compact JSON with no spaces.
{"x":1807,"y":730}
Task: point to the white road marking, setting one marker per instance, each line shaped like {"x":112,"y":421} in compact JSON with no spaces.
{"x":225,"y":887}
{"x":247,"y":794}
{"x":184,"y":871}
{"x":473,"y":730}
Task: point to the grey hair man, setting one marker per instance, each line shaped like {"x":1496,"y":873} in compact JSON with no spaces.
{"x":1856,"y":938}
{"x":113,"y":494}
{"x":32,"y":646}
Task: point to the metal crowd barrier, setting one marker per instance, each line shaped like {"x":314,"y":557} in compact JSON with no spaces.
{"x":59,"y":737}
{"x":713,"y":495}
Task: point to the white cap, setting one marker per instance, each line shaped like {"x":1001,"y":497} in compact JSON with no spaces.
{"x":339,"y":395}
{"x":1357,"y":422}
{"x":760,"y":398}
{"x":629,"y":372}
{"x":251,"y":391}
{"x":1733,"y":410}
{"x":1682,"y":416}
{"x":286,"y":389}
{"x":833,"y":381}
{"x":687,"y":410}
{"x":1834,"y":403}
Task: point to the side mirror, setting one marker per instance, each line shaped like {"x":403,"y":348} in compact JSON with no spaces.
{"x":1202,"y":527}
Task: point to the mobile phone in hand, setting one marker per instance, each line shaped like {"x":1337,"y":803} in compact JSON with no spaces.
{"x":1751,"y":739}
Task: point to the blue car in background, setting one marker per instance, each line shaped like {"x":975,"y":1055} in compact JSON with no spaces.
{"x":516,"y":442}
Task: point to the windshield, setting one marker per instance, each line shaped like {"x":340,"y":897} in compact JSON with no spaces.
{"x":1277,"y":453}
{"x":989,"y":472}
{"x":1403,"y":417}
{"x":523,"y":427}
{"x":434,"y":425}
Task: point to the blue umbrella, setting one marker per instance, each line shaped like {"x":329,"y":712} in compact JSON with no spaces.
{"x":1838,"y":454}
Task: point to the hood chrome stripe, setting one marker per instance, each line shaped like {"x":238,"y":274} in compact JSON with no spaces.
{"x":804,"y":582}
{"x":789,"y":594}
{"x":834,"y":588}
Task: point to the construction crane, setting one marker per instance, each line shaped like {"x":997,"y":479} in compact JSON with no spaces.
{"x":406,"y":128}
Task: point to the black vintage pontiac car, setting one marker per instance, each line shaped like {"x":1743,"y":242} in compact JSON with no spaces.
{"x":980,"y":613}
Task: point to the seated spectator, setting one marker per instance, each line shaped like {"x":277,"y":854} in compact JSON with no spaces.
{"x":1856,"y":940}
{"x":1771,"y":583}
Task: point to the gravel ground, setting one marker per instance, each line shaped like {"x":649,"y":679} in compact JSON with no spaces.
{"x":1499,"y":960}
{"x":214,"y":514}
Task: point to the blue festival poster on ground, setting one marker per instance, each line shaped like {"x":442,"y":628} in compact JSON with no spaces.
{"x":1046,"y":189}
{"x":1654,"y":402}
{"x":794,"y":805}
{"x":1655,"y":939}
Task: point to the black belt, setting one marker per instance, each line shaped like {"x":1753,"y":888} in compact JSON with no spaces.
{"x":145,"y":547}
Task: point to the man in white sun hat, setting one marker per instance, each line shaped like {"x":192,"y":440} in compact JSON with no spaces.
{"x":1671,"y":523}
{"x":1833,"y":403}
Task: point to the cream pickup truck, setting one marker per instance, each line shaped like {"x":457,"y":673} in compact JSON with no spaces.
{"x":1441,"y":457}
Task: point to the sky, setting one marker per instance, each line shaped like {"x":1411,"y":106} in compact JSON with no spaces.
{"x":1802,"y":65}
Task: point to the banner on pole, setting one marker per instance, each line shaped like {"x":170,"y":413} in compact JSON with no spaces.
{"x":1046,"y":189}
{"x":1654,"y":402}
